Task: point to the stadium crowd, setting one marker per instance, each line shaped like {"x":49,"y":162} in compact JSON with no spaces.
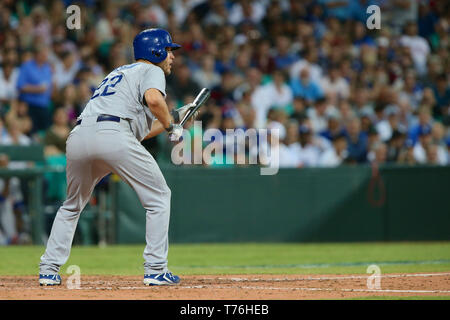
{"x":338,"y":91}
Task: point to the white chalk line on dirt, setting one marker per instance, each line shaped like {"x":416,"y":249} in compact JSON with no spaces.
{"x":260,"y":288}
{"x":319,"y":289}
{"x":330,"y":278}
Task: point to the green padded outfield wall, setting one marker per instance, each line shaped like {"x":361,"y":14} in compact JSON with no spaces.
{"x":307,"y":205}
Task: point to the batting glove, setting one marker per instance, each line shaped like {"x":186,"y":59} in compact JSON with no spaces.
{"x":175,"y":132}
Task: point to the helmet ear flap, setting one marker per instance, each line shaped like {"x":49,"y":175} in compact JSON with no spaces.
{"x":159,"y":54}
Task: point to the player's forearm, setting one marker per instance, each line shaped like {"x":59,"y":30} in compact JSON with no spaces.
{"x":157,"y":128}
{"x":158,"y":107}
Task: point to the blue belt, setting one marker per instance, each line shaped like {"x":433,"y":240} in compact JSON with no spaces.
{"x":104,"y":117}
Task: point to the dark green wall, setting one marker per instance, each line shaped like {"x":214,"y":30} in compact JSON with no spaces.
{"x":311,"y":205}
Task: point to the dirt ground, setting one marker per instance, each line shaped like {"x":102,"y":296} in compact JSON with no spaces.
{"x":232,"y":287}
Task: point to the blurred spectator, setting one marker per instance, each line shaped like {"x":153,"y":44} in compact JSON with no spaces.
{"x":424,"y":121}
{"x":206,"y":76}
{"x":292,"y":142}
{"x":411,"y":90}
{"x":379,"y":153}
{"x":217,"y":15}
{"x":334,"y":125}
{"x":308,"y":62}
{"x":13,"y":227}
{"x":35,"y":87}
{"x":417,"y":45}
{"x":356,"y":141}
{"x":440,"y":38}
{"x":395,"y":145}
{"x":70,"y":103}
{"x":299,"y":112}
{"x":335,"y":86}
{"x":287,"y":158}
{"x":406,"y":155}
{"x":41,"y":23}
{"x":275,"y":94}
{"x":181,"y":83}
{"x":389,"y":123}
{"x":66,"y":70}
{"x":262,"y":57}
{"x":425,"y":140}
{"x":318,"y":115}
{"x":310,"y":152}
{"x":279,"y":93}
{"x":335,"y":156}
{"x":15,"y":135}
{"x":8,"y":78}
{"x":247,"y":115}
{"x":56,"y":135}
{"x":18,"y":112}
{"x":438,"y":140}
{"x":397,"y":13}
{"x":284,"y":58}
{"x":433,"y":155}
{"x":242,"y":10}
{"x":305,"y":87}
{"x":441,"y":90}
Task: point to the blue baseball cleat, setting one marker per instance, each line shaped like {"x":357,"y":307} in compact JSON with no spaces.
{"x":49,"y":279}
{"x":161,"y":279}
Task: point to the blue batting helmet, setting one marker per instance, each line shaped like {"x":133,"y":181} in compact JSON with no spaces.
{"x":151,"y":45}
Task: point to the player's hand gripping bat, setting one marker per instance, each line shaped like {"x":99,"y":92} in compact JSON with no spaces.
{"x":199,"y":100}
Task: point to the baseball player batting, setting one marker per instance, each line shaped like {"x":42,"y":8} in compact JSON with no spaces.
{"x":127,"y":107}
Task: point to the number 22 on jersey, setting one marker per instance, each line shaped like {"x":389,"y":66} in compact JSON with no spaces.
{"x":106,"y":91}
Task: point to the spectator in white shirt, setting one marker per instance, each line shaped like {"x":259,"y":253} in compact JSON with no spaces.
{"x":308,"y":62}
{"x":335,"y":156}
{"x":318,"y":115}
{"x":276,"y":94}
{"x":8,"y":80}
{"x":425,"y":140}
{"x":335,"y":86}
{"x":386,"y":126}
{"x":310,"y":152}
{"x":417,"y":45}
{"x":292,"y":143}
{"x":438,"y":139}
{"x":66,"y":70}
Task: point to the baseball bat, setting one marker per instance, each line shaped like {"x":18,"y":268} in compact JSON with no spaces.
{"x":199,"y":100}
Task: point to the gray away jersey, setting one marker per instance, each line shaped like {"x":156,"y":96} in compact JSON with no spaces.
{"x":121,"y":94}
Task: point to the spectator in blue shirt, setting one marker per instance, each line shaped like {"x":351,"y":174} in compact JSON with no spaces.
{"x":35,"y":88}
{"x":360,"y":35}
{"x":334,"y":127}
{"x":306,"y":88}
{"x":424,"y":121}
{"x":284,"y":58}
{"x":356,"y":141}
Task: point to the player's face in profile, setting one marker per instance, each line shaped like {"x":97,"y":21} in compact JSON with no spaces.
{"x":166,"y":65}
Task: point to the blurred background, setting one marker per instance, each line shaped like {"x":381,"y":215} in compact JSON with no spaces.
{"x":363,"y":114}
